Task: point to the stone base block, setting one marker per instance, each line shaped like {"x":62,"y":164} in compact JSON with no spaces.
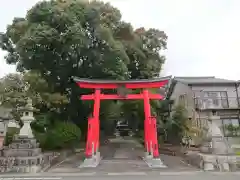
{"x":208,"y":166}
{"x":24,"y":169}
{"x":91,"y":162}
{"x":211,"y":162}
{"x":147,"y":156}
{"x":155,"y":163}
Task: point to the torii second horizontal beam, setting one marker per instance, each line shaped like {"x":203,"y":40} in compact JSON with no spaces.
{"x":118,"y":97}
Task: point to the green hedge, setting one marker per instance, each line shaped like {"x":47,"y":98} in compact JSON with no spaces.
{"x":62,"y":135}
{"x":11,"y":131}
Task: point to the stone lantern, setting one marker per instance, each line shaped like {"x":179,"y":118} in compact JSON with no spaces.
{"x":27,"y":118}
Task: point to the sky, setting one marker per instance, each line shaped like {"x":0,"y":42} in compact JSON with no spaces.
{"x":203,"y":35}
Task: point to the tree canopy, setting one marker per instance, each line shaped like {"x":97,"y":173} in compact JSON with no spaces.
{"x":59,"y":39}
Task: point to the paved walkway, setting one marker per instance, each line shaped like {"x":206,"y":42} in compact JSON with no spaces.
{"x":121,"y":156}
{"x":127,"y":176}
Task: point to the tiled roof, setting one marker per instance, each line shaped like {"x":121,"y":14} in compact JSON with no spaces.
{"x":211,"y":80}
{"x":203,"y":80}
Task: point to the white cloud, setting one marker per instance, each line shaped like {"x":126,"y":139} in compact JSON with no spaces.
{"x":203,"y":35}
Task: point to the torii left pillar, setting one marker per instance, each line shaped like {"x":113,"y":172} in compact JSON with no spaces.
{"x":92,"y":145}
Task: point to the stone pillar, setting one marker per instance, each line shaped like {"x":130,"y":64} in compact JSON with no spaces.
{"x":27,"y":118}
{"x":3,"y":129}
{"x":218,"y":144}
{"x":215,"y":152}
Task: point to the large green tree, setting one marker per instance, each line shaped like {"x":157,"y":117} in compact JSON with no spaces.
{"x":64,"y":38}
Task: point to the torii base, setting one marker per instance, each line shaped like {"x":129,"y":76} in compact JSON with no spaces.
{"x":91,"y":162}
{"x":154,"y":162}
{"x":147,"y":156}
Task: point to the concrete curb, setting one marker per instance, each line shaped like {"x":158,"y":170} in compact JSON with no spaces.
{"x":161,"y":173}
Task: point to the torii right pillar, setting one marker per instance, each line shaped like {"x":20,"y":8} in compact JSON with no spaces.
{"x":150,"y":135}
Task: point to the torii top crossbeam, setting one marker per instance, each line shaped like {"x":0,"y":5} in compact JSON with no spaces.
{"x":121,"y":86}
{"x":129,"y":84}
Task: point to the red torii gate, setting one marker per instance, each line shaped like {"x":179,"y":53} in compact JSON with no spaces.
{"x":150,"y":131}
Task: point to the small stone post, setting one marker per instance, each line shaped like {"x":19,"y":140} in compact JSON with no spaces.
{"x":27,"y":118}
{"x":3,"y":127}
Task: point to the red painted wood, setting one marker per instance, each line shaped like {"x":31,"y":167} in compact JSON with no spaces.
{"x":96,"y":109}
{"x":97,"y":135}
{"x":117,"y":97}
{"x":154,"y":137}
{"x":90,"y":137}
{"x":147,"y":111}
{"x":130,"y":85}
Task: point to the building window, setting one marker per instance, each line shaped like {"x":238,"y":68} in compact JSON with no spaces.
{"x":219,"y":99}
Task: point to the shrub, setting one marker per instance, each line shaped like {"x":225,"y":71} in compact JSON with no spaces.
{"x":41,"y":138}
{"x":63,"y":135}
{"x":11,"y":131}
